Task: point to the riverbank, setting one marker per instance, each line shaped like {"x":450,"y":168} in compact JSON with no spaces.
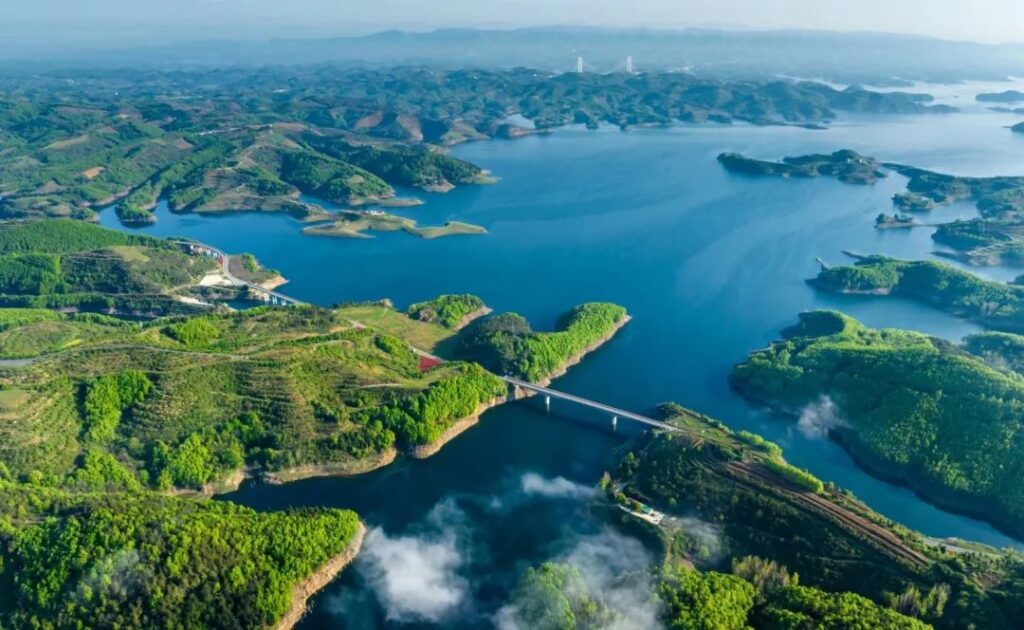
{"x":423,"y":451}
{"x":933,"y":493}
{"x":929,"y":492}
{"x":304,"y":590}
{"x":469,"y":318}
{"x":330,"y":469}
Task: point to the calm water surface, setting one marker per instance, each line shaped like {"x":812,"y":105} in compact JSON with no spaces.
{"x":710,"y":264}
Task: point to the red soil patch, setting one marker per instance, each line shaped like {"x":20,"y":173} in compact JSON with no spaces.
{"x":426,"y":363}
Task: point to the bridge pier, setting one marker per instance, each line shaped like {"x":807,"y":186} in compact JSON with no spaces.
{"x":615,"y":423}
{"x":547,"y":403}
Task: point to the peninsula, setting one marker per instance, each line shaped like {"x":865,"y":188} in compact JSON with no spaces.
{"x":845,"y":165}
{"x":991,"y":303}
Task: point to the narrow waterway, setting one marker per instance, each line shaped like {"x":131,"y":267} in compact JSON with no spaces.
{"x":711,"y":265}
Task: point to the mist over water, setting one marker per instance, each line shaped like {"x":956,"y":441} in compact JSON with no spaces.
{"x":710,"y":264}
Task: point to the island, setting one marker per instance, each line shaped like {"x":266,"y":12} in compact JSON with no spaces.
{"x":845,"y":165}
{"x":355,"y":224}
{"x":899,"y":400}
{"x":912,"y":202}
{"x":993,"y":239}
{"x":991,"y":303}
{"x":1006,"y":96}
{"x":983,"y":242}
{"x":892,"y":221}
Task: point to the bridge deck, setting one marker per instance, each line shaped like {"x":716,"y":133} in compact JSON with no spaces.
{"x":586,"y":402}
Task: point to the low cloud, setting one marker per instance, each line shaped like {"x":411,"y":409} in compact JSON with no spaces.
{"x":614,"y":568}
{"x":556,"y":488}
{"x":820,"y":417}
{"x":416,"y":577}
{"x":706,"y":538}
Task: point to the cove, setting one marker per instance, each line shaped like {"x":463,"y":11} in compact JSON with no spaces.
{"x":710,"y":264}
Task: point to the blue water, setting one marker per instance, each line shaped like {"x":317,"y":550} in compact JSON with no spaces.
{"x":710,"y":264}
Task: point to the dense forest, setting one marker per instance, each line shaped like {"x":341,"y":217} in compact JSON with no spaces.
{"x":505,"y":344}
{"x":774,"y":554}
{"x":902,"y":399}
{"x":989,"y":302}
{"x":144,"y":560}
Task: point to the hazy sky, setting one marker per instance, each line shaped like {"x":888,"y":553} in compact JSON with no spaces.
{"x":72,"y":20}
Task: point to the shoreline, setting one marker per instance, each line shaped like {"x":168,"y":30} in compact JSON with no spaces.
{"x":423,"y":451}
{"x":420,"y":451}
{"x":931,"y":493}
{"x":591,"y":347}
{"x":469,"y":318}
{"x":329,"y":469}
{"x":304,"y":590}
{"x":876,"y":468}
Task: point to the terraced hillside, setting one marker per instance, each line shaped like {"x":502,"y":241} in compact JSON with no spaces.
{"x":186,"y":403}
{"x":730,"y":495}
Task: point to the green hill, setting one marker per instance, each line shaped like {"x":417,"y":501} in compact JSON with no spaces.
{"x":913,"y":407}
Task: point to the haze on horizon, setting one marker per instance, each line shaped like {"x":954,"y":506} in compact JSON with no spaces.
{"x":68,"y":24}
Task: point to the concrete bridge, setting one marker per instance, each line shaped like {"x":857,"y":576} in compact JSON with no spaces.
{"x":266,"y":295}
{"x":614,"y":412}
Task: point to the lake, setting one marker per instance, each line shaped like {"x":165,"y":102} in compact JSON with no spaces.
{"x":710,"y":264}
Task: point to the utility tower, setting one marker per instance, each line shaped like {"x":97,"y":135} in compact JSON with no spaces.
{"x":629,"y":64}
{"x":579,"y":65}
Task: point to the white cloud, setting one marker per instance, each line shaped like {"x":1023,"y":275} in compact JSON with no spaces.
{"x":818,"y":418}
{"x":556,"y":488}
{"x":416,"y":577}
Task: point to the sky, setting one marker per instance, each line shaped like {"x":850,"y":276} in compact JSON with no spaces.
{"x":117,"y":22}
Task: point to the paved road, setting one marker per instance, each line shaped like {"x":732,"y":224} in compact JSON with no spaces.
{"x":586,"y":402}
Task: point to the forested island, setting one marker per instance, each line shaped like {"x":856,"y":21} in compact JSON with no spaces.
{"x":989,"y":302}
{"x":993,"y":239}
{"x":901,"y":400}
{"x":845,"y":165}
{"x":1006,"y":96}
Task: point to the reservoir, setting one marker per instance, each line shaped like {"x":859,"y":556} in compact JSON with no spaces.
{"x":710,"y":264}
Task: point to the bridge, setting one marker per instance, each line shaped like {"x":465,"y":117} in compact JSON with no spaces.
{"x":267,"y":295}
{"x":614,"y":412}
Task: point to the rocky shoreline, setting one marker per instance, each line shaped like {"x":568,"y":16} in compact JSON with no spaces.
{"x":304,"y":590}
{"x":423,"y":451}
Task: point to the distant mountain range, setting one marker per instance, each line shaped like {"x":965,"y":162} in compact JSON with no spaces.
{"x":844,"y":57}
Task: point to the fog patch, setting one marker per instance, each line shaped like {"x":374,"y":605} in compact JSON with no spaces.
{"x":704,"y":539}
{"x":820,"y":417}
{"x":113,"y":578}
{"x":532,"y":486}
{"x":416,"y":577}
{"x":556,"y":488}
{"x":614,"y":570}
